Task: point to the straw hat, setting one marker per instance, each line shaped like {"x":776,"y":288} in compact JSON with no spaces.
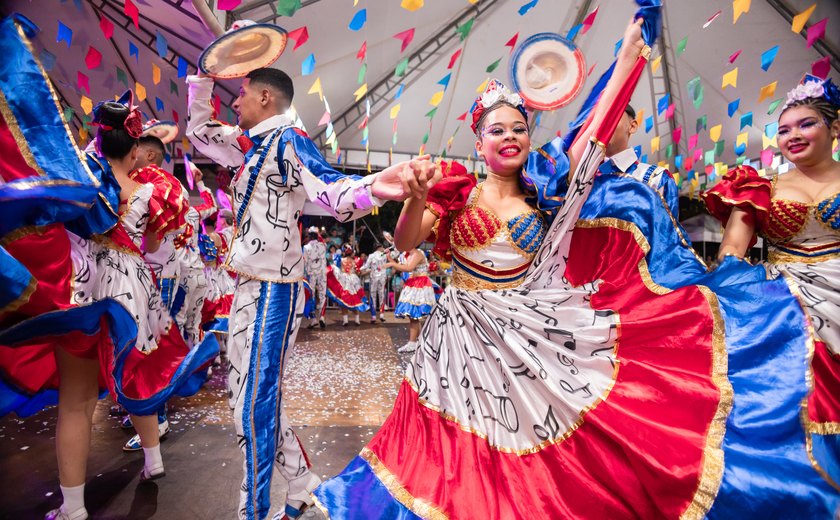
{"x":166,"y":131}
{"x":548,"y":71}
{"x":245,"y":47}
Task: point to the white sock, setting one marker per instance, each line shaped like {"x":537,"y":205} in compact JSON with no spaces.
{"x":74,"y":500}
{"x":344,"y":318}
{"x":357,"y":319}
{"x":154,"y":460}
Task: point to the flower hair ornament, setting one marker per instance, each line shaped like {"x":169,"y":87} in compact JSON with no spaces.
{"x":494,"y":93}
{"x":813,"y":87}
{"x":133,"y":123}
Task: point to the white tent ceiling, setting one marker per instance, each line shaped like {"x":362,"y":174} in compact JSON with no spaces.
{"x":335,"y":46}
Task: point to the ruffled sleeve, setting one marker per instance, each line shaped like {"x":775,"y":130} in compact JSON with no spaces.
{"x":545,"y":177}
{"x":449,"y":195}
{"x":168,"y":205}
{"x":744,"y":189}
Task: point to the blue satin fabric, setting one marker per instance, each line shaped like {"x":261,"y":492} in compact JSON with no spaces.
{"x":651,"y":12}
{"x":263,"y":392}
{"x":544,"y":177}
{"x":14,"y":278}
{"x":767,"y":472}
{"x":378,"y":502}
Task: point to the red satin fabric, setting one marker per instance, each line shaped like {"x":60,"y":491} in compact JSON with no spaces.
{"x":12,"y":164}
{"x":655,"y":469}
{"x":824,"y":401}
{"x":448,"y":195}
{"x":741,"y":188}
{"x":418,"y":282}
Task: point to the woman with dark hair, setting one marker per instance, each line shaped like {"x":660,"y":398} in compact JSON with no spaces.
{"x":417,"y":298}
{"x":344,"y":286}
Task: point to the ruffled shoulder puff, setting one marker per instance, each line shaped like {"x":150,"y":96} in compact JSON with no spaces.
{"x":447,"y":197}
{"x":742,"y":188}
{"x":168,"y":205}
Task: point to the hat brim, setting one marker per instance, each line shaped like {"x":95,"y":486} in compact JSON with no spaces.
{"x":235,"y":54}
{"x":166,"y":131}
{"x":548,"y":71}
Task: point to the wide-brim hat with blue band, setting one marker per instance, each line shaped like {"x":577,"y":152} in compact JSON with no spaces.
{"x":166,"y":131}
{"x":548,"y":71}
{"x":245,"y":47}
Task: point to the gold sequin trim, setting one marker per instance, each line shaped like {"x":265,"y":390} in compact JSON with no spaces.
{"x":463,"y":280}
{"x":395,"y":487}
{"x":780,"y":257}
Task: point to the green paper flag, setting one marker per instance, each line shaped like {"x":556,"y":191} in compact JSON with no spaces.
{"x":68,"y":114}
{"x":121,"y":77}
{"x":681,"y":46}
{"x":465,"y":29}
{"x":431,"y":113}
{"x":443,"y":154}
{"x":173,"y":87}
{"x":773,"y":106}
{"x":669,"y":151}
{"x":709,"y":157}
{"x":740,"y":160}
{"x":701,"y":124}
{"x":426,"y":138}
{"x":287,"y":7}
{"x":493,"y":66}
{"x":362,"y":73}
{"x":719,"y":147}
{"x":401,"y":66}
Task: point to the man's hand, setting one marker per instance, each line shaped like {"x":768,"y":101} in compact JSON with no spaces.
{"x":198,"y":175}
{"x":406,"y":179}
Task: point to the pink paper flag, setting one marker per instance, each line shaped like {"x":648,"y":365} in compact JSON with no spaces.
{"x":512,"y":42}
{"x":712,"y":19}
{"x":734,"y":56}
{"x":816,"y":31}
{"x":83,"y":82}
{"x":767,"y":157}
{"x":300,"y":36}
{"x":324,"y":119}
{"x":462,"y":117}
{"x":589,"y":20}
{"x":363,"y":124}
{"x":670,"y":112}
{"x":591,"y":69}
{"x":93,"y":58}
{"x":132,"y":12}
{"x":217,"y":106}
{"x":676,"y":134}
{"x":362,"y":51}
{"x":227,"y":5}
{"x":175,"y":116}
{"x":406,"y":37}
{"x":821,"y":67}
{"x":107,"y":27}
{"x":698,"y":154}
{"x":692,"y":141}
{"x":188,"y":166}
{"x":453,"y":58}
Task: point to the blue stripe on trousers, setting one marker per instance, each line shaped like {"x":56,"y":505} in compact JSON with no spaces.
{"x":260,"y":412}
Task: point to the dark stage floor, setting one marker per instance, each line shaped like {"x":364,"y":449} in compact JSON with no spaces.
{"x":340,"y":386}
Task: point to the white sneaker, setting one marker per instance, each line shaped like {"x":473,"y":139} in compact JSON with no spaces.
{"x":59,"y":514}
{"x":411,"y":346}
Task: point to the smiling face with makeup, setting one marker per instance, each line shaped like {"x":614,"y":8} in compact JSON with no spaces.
{"x":503,"y":140}
{"x":805,"y":136}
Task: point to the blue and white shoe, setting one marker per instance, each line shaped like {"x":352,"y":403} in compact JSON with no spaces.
{"x":133,"y":443}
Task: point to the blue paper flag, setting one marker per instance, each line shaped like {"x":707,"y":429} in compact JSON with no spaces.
{"x":159,"y":104}
{"x":160,"y":44}
{"x":733,"y":107}
{"x":768,"y":56}
{"x":638,"y":150}
{"x":47,"y":59}
{"x":648,"y":124}
{"x":527,"y":7}
{"x":678,"y":162}
{"x":182,"y":67}
{"x":746,"y":120}
{"x":617,"y":47}
{"x":358,"y":20}
{"x":64,"y":33}
{"x":308,"y":65}
{"x":573,"y":32}
{"x":538,"y":119}
{"x":740,"y":149}
{"x":134,"y":51}
{"x":399,"y":91}
{"x":662,"y":104}
{"x":771,"y":129}
{"x":445,"y":81}
{"x":643,"y":158}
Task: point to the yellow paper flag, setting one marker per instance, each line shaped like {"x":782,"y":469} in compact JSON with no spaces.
{"x":139,"y":91}
{"x":483,"y":86}
{"x":87,"y":104}
{"x":83,"y":134}
{"x":640,"y":116}
{"x":155,"y":74}
{"x":316,"y":87}
{"x":739,"y":7}
{"x":664,"y":164}
{"x":676,"y":177}
{"x":435,"y":101}
{"x":360,"y":92}
{"x":800,"y":19}
{"x":720,"y":168}
{"x":395,"y":110}
{"x":654,"y":65}
{"x":411,"y":5}
{"x":714,"y":132}
{"x":730,"y":78}
{"x":185,"y":143}
{"x":742,"y":139}
{"x":654,"y":144}
{"x":767,"y":142}
{"x":331,"y":138}
{"x":767,"y":91}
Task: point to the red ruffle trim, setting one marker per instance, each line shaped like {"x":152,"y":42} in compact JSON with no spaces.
{"x":744,"y":189}
{"x":168,"y":206}
{"x":450,"y":194}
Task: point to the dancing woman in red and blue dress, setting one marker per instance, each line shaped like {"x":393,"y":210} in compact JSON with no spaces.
{"x":583,"y":363}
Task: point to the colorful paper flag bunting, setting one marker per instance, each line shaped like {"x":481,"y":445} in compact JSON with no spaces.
{"x":411,"y":5}
{"x":431,"y":113}
{"x":64,"y":33}
{"x":161,"y":45}
{"x":93,"y":58}
{"x":648,"y":124}
{"x":132,"y":12}
{"x":816,"y":31}
{"x":464,"y":29}
{"x":767,"y":91}
{"x":182,"y":67}
{"x":362,"y":51}
{"x":654,"y":65}
{"x":676,"y":135}
{"x":692,"y":141}
{"x":122,"y":77}
{"x":512,"y":42}
{"x":444,"y":81}
{"x":399,"y":91}
{"x":768,"y":56}
{"x":681,"y":45}
{"x":360,"y":92}
{"x":527,"y":7}
{"x":654,"y":144}
{"x":173,"y":87}
{"x":140,"y":91}
{"x":821,"y":67}
{"x":739,"y":7}
{"x":134,"y":51}
{"x":734,"y":56}
{"x":746,"y":120}
{"x":106,"y":27}
{"x":159,"y":106}
{"x":573,"y":32}
{"x":401,"y":66}
{"x":733,"y":107}
{"x":362,"y":72}
{"x":767,"y":142}
{"x":155,"y":74}
{"x":712,"y":19}
{"x":316,"y":87}
{"x":483,"y":86}
{"x":358,"y":20}
{"x":767,"y":158}
{"x":714,"y":132}
{"x":662,"y":104}
{"x":701,"y":123}
{"x":324,"y":118}
{"x":227,"y":5}
{"x":453,"y":58}
{"x":730,"y":79}
{"x":300,"y":36}
{"x":436,"y":98}
{"x":799,"y":21}
{"x":771,"y":129}
{"x":490,"y":68}
{"x":395,"y":111}
{"x":589,"y":20}
{"x":308,"y":65}
{"x":406,"y":37}
{"x":287,"y":7}
{"x":773,"y":106}
{"x":82,"y":82}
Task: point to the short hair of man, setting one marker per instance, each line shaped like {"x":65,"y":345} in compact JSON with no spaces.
{"x":274,"y":78}
{"x":150,"y":141}
{"x":630,"y":112}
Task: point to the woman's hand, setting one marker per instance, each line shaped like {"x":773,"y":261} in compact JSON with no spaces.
{"x":632,"y":44}
{"x":406,"y":179}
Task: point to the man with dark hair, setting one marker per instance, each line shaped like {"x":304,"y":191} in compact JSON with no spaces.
{"x":622,"y":160}
{"x":279,"y":169}
{"x":315,"y":269}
